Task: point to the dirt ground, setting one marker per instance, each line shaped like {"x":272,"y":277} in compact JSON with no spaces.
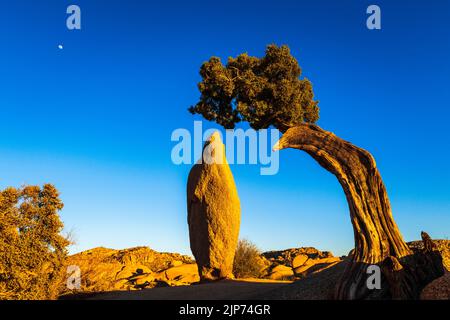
{"x":222,"y":290}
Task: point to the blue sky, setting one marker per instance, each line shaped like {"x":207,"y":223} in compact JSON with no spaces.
{"x":95,"y":118}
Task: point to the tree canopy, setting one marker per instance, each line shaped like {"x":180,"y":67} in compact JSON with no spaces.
{"x":262,"y":91}
{"x":32,"y":249}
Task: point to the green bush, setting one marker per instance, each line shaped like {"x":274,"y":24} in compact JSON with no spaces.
{"x":32,"y":249}
{"x":247,"y":260}
{"x":262,"y":91}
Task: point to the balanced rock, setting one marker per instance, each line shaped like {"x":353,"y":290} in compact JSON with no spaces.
{"x":213,"y":212}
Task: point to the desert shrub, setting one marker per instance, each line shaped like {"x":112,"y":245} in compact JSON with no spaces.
{"x":247,"y":260}
{"x":32,"y":249}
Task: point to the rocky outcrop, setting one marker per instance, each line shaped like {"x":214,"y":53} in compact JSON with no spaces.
{"x":138,"y":268}
{"x":213,"y":212}
{"x":314,"y":272}
{"x":296,"y":263}
{"x":105,"y":269}
{"x":294,"y":256}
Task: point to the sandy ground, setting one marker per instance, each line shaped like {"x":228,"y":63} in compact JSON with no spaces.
{"x":223,"y":290}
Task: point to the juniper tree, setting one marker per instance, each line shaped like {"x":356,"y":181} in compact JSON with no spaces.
{"x":262,"y":91}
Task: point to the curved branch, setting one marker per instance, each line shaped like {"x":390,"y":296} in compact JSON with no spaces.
{"x":377,"y":237}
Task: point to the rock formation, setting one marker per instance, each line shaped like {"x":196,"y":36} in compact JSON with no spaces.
{"x":213,"y":212}
{"x":297,"y":263}
{"x":377,"y":237}
{"x":105,"y":269}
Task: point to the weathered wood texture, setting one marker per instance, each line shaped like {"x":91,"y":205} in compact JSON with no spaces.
{"x":377,"y":237}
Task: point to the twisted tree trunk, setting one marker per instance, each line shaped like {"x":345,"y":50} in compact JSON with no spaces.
{"x":377,"y":238}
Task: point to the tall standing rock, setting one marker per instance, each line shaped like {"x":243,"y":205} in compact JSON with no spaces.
{"x":213,"y":212}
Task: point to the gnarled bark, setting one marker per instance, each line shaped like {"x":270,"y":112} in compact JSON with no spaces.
{"x":377,"y":237}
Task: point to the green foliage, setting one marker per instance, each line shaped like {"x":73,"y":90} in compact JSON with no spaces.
{"x":247,"y":260}
{"x":263,"y":91}
{"x":32,"y":250}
